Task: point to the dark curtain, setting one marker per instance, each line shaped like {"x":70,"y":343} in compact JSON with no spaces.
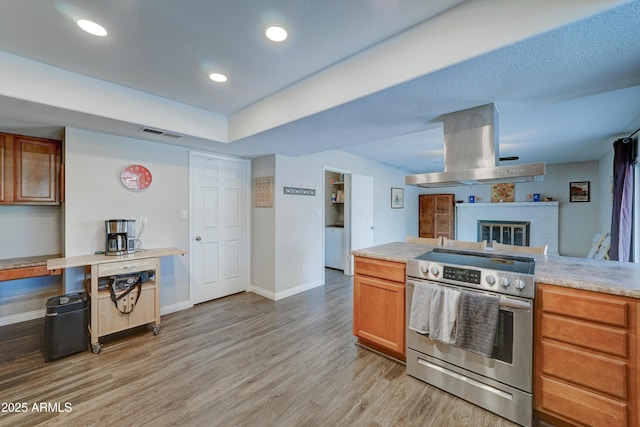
{"x":622,"y":214}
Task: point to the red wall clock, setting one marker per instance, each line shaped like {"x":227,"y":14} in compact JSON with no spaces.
{"x":136,"y":177}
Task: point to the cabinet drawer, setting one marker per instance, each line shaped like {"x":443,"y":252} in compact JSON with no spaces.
{"x":591,"y":371}
{"x":604,"y":339}
{"x":581,"y":406}
{"x":394,"y":271}
{"x":585,"y":305}
{"x":124,"y":267}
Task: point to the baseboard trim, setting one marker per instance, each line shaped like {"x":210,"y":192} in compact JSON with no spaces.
{"x":22,"y":317}
{"x":168,"y":309}
{"x":289,"y":292}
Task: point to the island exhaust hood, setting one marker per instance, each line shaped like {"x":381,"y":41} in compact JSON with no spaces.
{"x":471,"y":153}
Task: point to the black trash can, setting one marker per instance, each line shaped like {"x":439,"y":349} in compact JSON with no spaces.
{"x":66,"y":325}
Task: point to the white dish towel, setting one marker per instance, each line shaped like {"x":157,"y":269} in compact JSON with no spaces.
{"x":421,"y":306}
{"x":434,"y":310}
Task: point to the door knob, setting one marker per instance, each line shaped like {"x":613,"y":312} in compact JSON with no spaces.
{"x":198,"y":238}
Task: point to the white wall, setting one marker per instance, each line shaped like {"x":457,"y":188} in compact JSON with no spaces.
{"x":578,"y":221}
{"x":605,"y":177}
{"x":28,"y":231}
{"x":298,"y":220}
{"x":263,"y":256}
{"x":94,"y":194}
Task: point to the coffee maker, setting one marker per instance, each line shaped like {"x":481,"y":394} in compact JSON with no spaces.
{"x":121,"y":236}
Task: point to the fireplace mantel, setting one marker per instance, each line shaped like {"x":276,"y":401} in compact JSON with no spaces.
{"x":543,"y":217}
{"x":506,"y":204}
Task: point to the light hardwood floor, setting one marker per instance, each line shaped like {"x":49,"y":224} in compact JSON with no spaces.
{"x":243,"y":360}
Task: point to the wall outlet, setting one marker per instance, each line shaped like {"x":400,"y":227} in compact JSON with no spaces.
{"x":143,"y":220}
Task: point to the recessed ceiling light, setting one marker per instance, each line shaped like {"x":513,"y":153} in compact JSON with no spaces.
{"x":276,"y":34}
{"x":217,"y":77}
{"x":91,"y":27}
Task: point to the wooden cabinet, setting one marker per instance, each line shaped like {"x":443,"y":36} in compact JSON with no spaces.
{"x":105,"y":317}
{"x":6,"y":168}
{"x":29,"y":170}
{"x":379,"y":305}
{"x":436,"y":215}
{"x":586,"y":357}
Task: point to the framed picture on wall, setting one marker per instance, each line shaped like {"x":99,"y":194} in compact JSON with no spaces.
{"x":579,"y":191}
{"x":397,"y":198}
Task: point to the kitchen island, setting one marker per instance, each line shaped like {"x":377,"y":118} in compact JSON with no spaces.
{"x":616,"y":278}
{"x":587,"y":318}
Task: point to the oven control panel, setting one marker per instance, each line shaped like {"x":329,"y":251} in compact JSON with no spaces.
{"x":503,"y":282}
{"x":461,"y":274}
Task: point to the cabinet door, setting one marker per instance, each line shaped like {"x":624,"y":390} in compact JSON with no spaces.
{"x":36,"y":170}
{"x":6,"y":169}
{"x":379,"y":312}
{"x":427,"y":215}
{"x":436,"y":215}
{"x":109,"y":318}
{"x":144,"y":311}
{"x":443,"y":217}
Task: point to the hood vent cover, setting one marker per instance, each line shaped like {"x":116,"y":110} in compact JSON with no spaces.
{"x":471,"y":153}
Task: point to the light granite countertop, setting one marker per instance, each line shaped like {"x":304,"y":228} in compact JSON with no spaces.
{"x":618,"y":278}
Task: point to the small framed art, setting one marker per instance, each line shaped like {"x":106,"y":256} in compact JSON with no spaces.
{"x":579,"y":191}
{"x":397,"y":198}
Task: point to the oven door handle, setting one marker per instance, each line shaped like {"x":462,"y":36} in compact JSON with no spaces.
{"x":505,"y":301}
{"x":515,"y":303}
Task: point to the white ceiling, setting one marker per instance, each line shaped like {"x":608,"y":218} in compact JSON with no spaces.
{"x":369,"y":77}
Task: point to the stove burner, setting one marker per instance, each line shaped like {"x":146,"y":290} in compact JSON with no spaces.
{"x":515,"y":264}
{"x":502,"y":274}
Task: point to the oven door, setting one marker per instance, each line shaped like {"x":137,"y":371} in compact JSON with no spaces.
{"x":511,"y":360}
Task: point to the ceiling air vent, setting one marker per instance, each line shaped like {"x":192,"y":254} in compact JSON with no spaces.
{"x":159,"y":132}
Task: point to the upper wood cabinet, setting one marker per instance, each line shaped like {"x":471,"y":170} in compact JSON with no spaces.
{"x":436,"y":215}
{"x":30,"y":170}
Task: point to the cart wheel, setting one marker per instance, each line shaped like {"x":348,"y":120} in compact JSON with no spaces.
{"x":156,"y":330}
{"x":96,"y":348}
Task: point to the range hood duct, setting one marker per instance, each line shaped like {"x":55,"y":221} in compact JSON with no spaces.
{"x":471,"y":153}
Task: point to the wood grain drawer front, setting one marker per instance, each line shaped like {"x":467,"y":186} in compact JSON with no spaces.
{"x":389,"y":270}
{"x":586,"y":305}
{"x":582,"y":407}
{"x":588,"y":370}
{"x":125,"y":267}
{"x":604,"y":339}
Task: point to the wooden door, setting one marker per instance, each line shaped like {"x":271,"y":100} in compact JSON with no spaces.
{"x":220,"y":226}
{"x":436,"y":215}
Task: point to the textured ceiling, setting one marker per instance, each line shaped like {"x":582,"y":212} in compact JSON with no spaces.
{"x":562,"y":94}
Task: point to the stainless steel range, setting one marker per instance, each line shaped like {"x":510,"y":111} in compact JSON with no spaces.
{"x":499,"y":380}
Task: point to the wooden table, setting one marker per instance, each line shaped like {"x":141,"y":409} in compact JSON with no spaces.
{"x":106,"y":318}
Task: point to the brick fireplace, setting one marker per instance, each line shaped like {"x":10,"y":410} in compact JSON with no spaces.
{"x":537,"y":222}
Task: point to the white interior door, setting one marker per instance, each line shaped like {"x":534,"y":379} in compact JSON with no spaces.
{"x":361,"y":214}
{"x":219,"y":226}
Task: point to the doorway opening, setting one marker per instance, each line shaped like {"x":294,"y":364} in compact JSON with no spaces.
{"x":347,"y":216}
